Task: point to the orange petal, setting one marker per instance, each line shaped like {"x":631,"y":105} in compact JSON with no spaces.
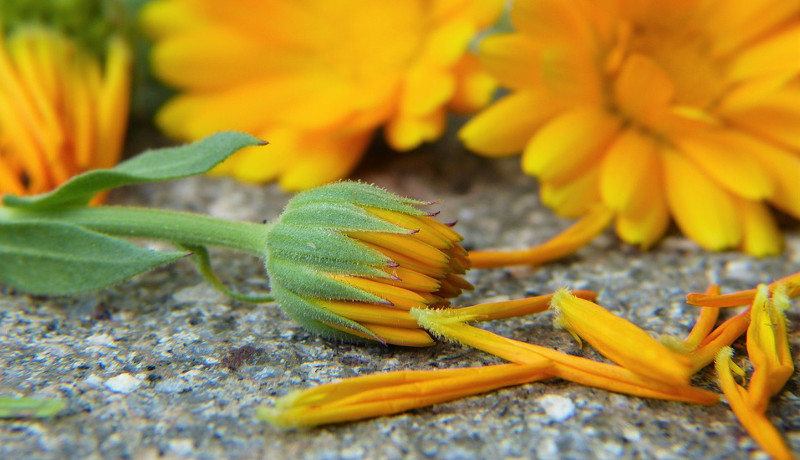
{"x":567,"y":242}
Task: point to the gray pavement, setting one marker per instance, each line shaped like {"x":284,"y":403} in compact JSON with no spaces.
{"x":164,"y":367}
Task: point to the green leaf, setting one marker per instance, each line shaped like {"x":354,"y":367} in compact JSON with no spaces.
{"x":30,"y":407}
{"x":150,"y":166}
{"x":57,"y":258}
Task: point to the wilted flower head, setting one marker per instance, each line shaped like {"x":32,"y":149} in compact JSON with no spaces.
{"x":64,"y":92}
{"x":316,"y":77}
{"x":349,"y":260}
{"x":653,"y":110}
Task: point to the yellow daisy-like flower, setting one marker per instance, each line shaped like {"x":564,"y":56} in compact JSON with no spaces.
{"x":317,"y":77}
{"x":62,"y":111}
{"x":645,"y":111}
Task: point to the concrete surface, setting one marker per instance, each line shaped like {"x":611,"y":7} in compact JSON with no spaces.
{"x":163,"y":366}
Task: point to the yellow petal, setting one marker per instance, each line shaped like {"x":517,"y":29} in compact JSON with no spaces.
{"x":568,"y":144}
{"x":574,"y":198}
{"x":165,"y":17}
{"x":407,"y":132}
{"x":723,"y":336}
{"x":730,"y":165}
{"x":739,"y":298}
{"x":370,"y":313}
{"x":705,"y":213}
{"x":567,"y":242}
{"x":573,"y":368}
{"x":762,"y":237}
{"x":242,"y":107}
{"x":643,"y":90}
{"x":782,"y":167}
{"x":775,"y":118}
{"x":629,"y":171}
{"x":754,"y":421}
{"x":491,"y":311}
{"x":553,"y":21}
{"x":775,"y":54}
{"x":513,"y":59}
{"x":425,"y":90}
{"x":113,"y":103}
{"x":739,"y":23}
{"x":509,"y":124}
{"x":645,"y":228}
{"x":768,"y":349}
{"x":474,"y":86}
{"x":702,"y":328}
{"x":447,"y":43}
{"x":620,"y":340}
{"x":402,"y":336}
{"x":222,"y":56}
{"x":255,"y":164}
{"x":323,"y":160}
{"x":375,"y":399}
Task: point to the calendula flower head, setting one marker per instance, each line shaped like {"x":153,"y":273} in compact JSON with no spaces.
{"x":316,"y":78}
{"x":653,"y":110}
{"x":64,"y":92}
{"x":349,"y":260}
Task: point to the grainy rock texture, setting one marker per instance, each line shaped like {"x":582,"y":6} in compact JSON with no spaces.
{"x":164,"y":366}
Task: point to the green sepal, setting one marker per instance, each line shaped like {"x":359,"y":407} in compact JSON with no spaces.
{"x":326,"y":250}
{"x":202,"y":261}
{"x":11,"y":407}
{"x":313,"y":317}
{"x":57,"y":258}
{"x":150,"y":166}
{"x":359,"y":194}
{"x":341,"y":216}
{"x":313,"y":283}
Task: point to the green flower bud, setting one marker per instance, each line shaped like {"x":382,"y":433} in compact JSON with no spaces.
{"x":349,"y":260}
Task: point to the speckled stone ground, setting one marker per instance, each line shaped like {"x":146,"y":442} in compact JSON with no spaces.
{"x":165,"y":366}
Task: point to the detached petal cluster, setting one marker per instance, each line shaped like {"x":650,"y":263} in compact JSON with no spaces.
{"x":63,"y":105}
{"x":643,"y":366}
{"x":349,"y":260}
{"x":769,"y":353}
{"x":654,"y":111}
{"x":316,"y":77}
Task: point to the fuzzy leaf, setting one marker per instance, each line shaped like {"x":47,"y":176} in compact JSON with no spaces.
{"x":58,"y":258}
{"x":150,"y":166}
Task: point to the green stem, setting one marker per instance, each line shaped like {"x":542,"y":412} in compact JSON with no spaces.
{"x":174,"y":226}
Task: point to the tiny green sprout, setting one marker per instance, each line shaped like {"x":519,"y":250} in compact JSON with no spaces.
{"x":11,"y":407}
{"x":348,"y":260}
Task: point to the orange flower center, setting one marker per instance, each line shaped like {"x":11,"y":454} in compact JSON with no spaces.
{"x":684,"y":55}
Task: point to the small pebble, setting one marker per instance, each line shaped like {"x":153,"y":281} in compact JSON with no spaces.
{"x":558,"y":408}
{"x":123,"y":383}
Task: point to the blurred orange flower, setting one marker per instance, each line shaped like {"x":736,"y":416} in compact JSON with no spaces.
{"x":317,"y":77}
{"x":642,"y":111}
{"x":62,"y":112}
